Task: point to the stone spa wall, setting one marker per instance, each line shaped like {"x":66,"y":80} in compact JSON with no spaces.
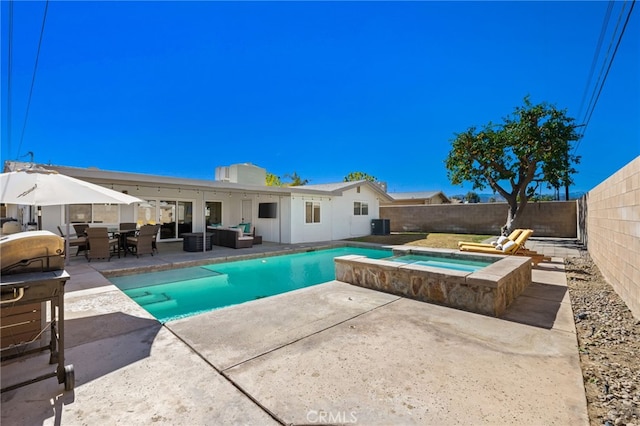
{"x":488,"y":291}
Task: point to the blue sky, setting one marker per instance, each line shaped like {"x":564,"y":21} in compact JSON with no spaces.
{"x":317,"y":88}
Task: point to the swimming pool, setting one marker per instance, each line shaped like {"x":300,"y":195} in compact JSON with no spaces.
{"x":179,"y":293}
{"x":466,"y":265}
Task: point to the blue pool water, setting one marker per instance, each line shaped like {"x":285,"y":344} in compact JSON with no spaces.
{"x":464,"y":265}
{"x":179,"y":293}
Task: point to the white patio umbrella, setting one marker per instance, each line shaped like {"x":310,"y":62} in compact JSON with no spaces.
{"x":41,"y":187}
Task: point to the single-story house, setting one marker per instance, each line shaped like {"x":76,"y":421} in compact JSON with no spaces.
{"x":288,"y":214}
{"x":417,"y":198}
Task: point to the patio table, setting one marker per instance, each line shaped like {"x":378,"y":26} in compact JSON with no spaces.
{"x":122,"y":235}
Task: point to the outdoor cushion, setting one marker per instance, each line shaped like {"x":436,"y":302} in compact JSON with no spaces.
{"x":508,"y":246}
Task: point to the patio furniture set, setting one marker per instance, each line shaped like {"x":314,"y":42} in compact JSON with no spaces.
{"x":103,"y":242}
{"x":240,"y":236}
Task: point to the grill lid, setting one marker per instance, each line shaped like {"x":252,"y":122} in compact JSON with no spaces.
{"x":31,"y":251}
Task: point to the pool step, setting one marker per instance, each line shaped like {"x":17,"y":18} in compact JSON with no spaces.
{"x":149,"y":298}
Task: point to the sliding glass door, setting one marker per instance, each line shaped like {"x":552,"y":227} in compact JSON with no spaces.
{"x":213,"y":213}
{"x":174,"y":217}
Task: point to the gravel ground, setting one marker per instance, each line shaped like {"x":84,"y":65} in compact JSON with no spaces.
{"x":609,"y":344}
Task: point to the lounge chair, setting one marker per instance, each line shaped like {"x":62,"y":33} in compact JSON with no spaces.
{"x":101,"y":246}
{"x":510,"y":248}
{"x":513,"y":236}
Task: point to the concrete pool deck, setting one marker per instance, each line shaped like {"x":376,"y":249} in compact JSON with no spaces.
{"x":332,"y":353}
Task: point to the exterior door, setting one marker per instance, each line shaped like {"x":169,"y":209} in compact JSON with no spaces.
{"x":247,"y":211}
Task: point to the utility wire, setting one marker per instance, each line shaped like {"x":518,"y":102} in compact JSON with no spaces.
{"x":604,"y":63}
{"x":597,"y":97}
{"x":33,"y":77}
{"x":596,"y":54}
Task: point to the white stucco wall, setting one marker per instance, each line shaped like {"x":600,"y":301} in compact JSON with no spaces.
{"x":337,"y":220}
{"x":302,"y":232}
{"x":348,"y":225}
{"x":269,"y":228}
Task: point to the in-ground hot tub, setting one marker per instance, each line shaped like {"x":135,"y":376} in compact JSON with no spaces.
{"x":487,"y":286}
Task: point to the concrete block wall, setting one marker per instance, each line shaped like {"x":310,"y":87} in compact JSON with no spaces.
{"x":613,"y":231}
{"x":547,"y":219}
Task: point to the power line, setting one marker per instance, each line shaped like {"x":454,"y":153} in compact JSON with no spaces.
{"x":33,"y":77}
{"x":606,"y":58}
{"x":599,"y":89}
{"x":596,"y":54}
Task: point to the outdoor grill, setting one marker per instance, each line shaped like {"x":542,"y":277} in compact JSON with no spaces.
{"x":32,"y":301}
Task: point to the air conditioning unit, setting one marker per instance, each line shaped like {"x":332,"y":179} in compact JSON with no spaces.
{"x":380,"y":226}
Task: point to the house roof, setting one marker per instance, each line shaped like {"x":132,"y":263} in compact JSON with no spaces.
{"x":100,"y":176}
{"x":340,"y":187}
{"x":416,"y":195}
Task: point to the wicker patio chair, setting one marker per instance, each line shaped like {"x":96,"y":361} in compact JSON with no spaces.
{"x":79,"y":241}
{"x":142,"y":243}
{"x":101,"y":246}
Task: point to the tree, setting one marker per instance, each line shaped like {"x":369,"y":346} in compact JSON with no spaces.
{"x":532,"y":144}
{"x":273,"y":180}
{"x":472,"y":197}
{"x":296,"y":180}
{"x":355,"y":176}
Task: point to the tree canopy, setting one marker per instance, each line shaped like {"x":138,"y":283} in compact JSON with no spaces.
{"x":472,"y":197}
{"x":273,"y":180}
{"x":532,"y":145}
{"x":355,"y":176}
{"x":296,"y":180}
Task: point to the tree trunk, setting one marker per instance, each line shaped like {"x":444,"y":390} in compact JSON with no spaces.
{"x":514,"y":214}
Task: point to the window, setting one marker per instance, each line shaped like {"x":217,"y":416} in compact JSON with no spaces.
{"x":360,"y":208}
{"x":94,"y":213}
{"x":312,"y":212}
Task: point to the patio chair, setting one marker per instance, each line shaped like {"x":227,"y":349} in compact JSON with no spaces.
{"x":127,"y":226}
{"x":101,"y":246}
{"x":80,"y":228}
{"x":142,"y":242}
{"x":79,"y":241}
{"x":154,"y":241}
